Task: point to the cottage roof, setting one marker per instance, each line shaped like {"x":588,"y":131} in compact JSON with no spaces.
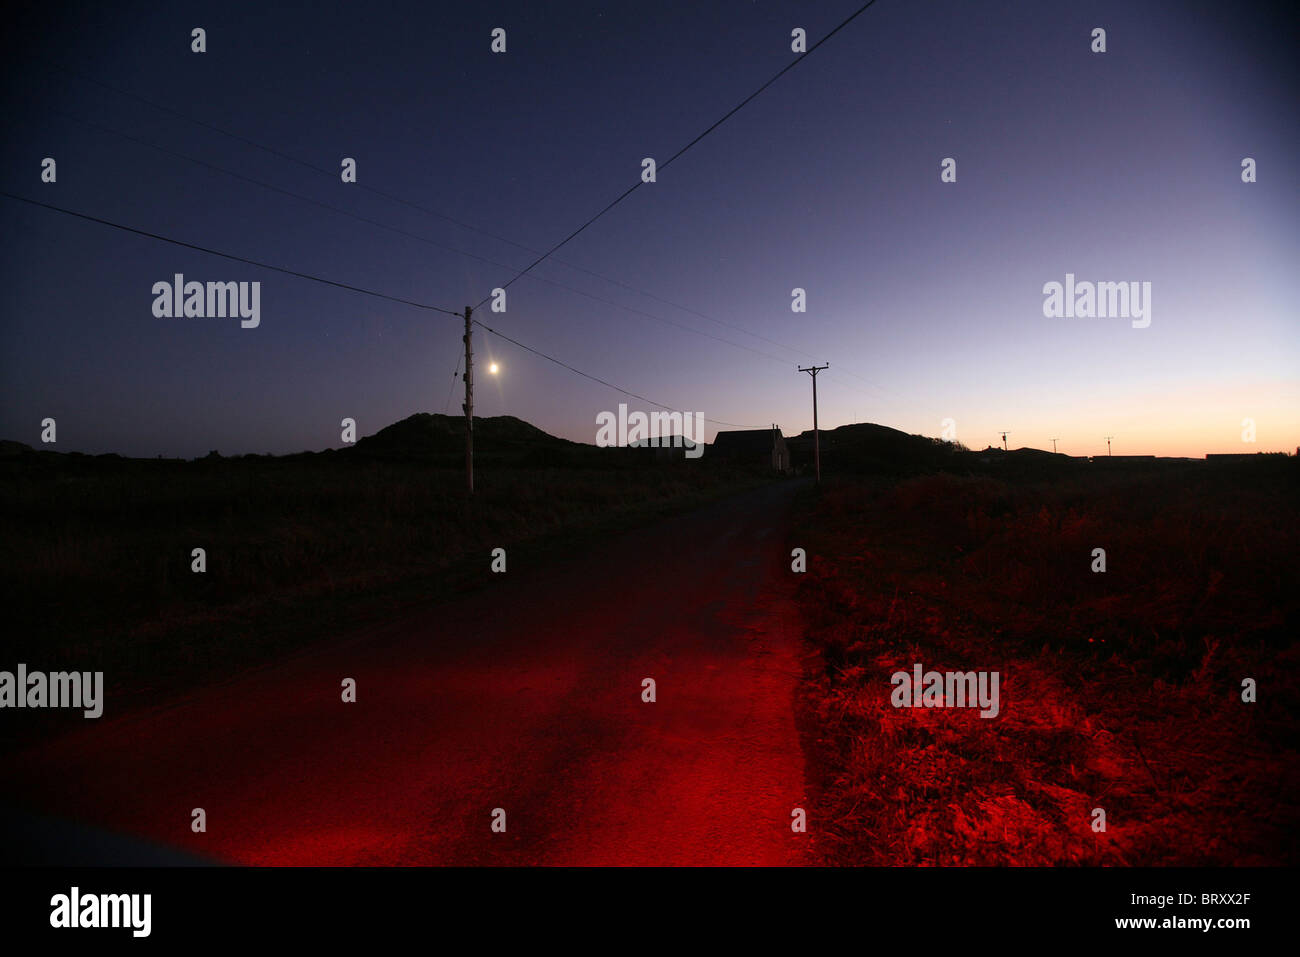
{"x":745,"y":440}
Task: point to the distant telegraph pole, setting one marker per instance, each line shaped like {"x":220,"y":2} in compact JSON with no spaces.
{"x":1053,"y":446}
{"x":1108,"y":438}
{"x":1004,"y":440}
{"x":817,"y":444}
{"x":469,"y":401}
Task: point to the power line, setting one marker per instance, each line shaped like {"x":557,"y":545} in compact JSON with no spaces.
{"x":276,"y":189}
{"x":402,"y":232}
{"x":446,"y":408}
{"x":340,"y":285}
{"x":404,"y":202}
{"x":217,"y":252}
{"x":439,"y":215}
{"x":543,"y":256}
{"x":72,"y":71}
{"x":726,"y":116}
{"x":537,"y":352}
{"x":650,"y":315}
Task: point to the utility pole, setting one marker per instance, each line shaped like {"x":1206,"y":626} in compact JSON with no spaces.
{"x":469,"y":401}
{"x":817,"y":444}
{"x":1108,"y":438}
{"x":1053,"y":446}
{"x":1004,"y":440}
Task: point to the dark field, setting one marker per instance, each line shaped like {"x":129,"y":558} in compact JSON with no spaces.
{"x":1120,"y":690}
{"x":97,"y":551}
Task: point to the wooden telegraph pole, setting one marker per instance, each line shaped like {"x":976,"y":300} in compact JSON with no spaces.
{"x":817,"y":444}
{"x":469,"y":401}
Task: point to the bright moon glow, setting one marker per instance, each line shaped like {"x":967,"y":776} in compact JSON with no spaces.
{"x":493,"y":368}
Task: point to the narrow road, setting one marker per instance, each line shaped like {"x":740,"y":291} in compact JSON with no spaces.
{"x":525,"y":696}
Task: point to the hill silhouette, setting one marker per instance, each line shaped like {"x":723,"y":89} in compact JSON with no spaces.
{"x":433,"y":432}
{"x":500,"y":440}
{"x":505,"y":441}
{"x":867,"y":447}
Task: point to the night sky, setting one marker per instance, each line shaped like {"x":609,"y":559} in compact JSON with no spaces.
{"x":925,"y":297}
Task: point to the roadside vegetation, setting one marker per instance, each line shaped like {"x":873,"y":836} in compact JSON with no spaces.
{"x":97,"y":551}
{"x":1120,"y":690}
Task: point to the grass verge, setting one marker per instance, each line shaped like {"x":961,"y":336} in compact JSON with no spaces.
{"x":1119,"y":690}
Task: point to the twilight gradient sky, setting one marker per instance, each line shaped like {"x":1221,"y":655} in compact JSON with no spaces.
{"x":926,"y":298}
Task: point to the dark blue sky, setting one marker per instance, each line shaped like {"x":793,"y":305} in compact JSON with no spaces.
{"x":925,"y":297}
